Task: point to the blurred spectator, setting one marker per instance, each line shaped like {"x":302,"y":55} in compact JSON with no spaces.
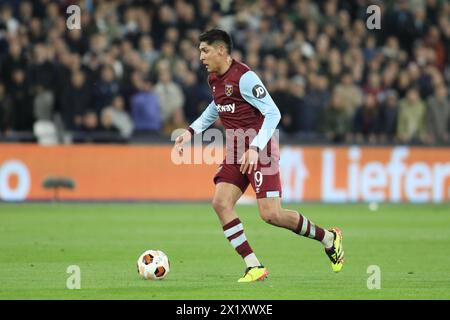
{"x":336,"y":123}
{"x":438,"y":116}
{"x":411,"y":118}
{"x":76,"y":41}
{"x":316,"y":99}
{"x":145,"y":108}
{"x":36,"y":31}
{"x":89,"y":123}
{"x":388,"y":117}
{"x":76,"y":99}
{"x":106,"y":89}
{"x":391,"y":49}
{"x":365,"y":124}
{"x":349,"y":93}
{"x":400,"y":22}
{"x":116,"y":117}
{"x":167,"y":55}
{"x":370,"y":49}
{"x":42,"y":72}
{"x":3,"y":113}
{"x":289,"y":106}
{"x":171,"y":100}
{"x":42,"y":79}
{"x":7,"y":18}
{"x":403,"y":83}
{"x":296,"y":94}
{"x":20,"y":109}
{"x":25,"y":12}
{"x":147,"y":50}
{"x":196,"y":96}
{"x":390,"y":73}
{"x":433,"y":40}
{"x":373,"y":86}
{"x":14,"y":60}
{"x":425,"y":81}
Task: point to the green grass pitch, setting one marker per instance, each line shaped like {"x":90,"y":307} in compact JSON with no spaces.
{"x":409,"y":243}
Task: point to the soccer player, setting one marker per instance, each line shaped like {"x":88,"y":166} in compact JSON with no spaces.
{"x":242,"y":103}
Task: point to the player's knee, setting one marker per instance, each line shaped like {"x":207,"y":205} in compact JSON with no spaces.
{"x":269,"y":215}
{"x":221,"y":205}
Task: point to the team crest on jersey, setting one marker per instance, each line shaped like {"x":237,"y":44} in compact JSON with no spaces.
{"x":228,"y":89}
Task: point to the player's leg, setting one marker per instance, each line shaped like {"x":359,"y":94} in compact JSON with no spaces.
{"x":268,"y":193}
{"x":230,"y":185}
{"x":271,"y":212}
{"x":225,"y":197}
{"x":224,"y":200}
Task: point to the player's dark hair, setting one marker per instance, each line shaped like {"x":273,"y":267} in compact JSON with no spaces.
{"x":215,"y":35}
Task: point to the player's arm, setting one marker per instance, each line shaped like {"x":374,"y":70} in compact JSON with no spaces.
{"x":255,"y":93}
{"x":206,"y":119}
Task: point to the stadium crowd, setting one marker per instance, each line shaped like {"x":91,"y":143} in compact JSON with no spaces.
{"x":133,"y":68}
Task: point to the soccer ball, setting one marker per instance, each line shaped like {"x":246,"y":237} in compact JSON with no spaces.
{"x":153,"y":265}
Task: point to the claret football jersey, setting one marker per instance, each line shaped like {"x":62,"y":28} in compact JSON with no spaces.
{"x":244,"y":107}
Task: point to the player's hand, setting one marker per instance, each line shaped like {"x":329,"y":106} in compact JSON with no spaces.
{"x":249,"y":161}
{"x":181,"y":140}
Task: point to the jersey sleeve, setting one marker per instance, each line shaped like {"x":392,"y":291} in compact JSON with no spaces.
{"x":256,"y":94}
{"x":207,"y":118}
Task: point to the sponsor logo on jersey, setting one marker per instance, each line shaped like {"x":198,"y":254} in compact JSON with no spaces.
{"x":226,"y":107}
{"x":228,"y":89}
{"x":258,"y":91}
